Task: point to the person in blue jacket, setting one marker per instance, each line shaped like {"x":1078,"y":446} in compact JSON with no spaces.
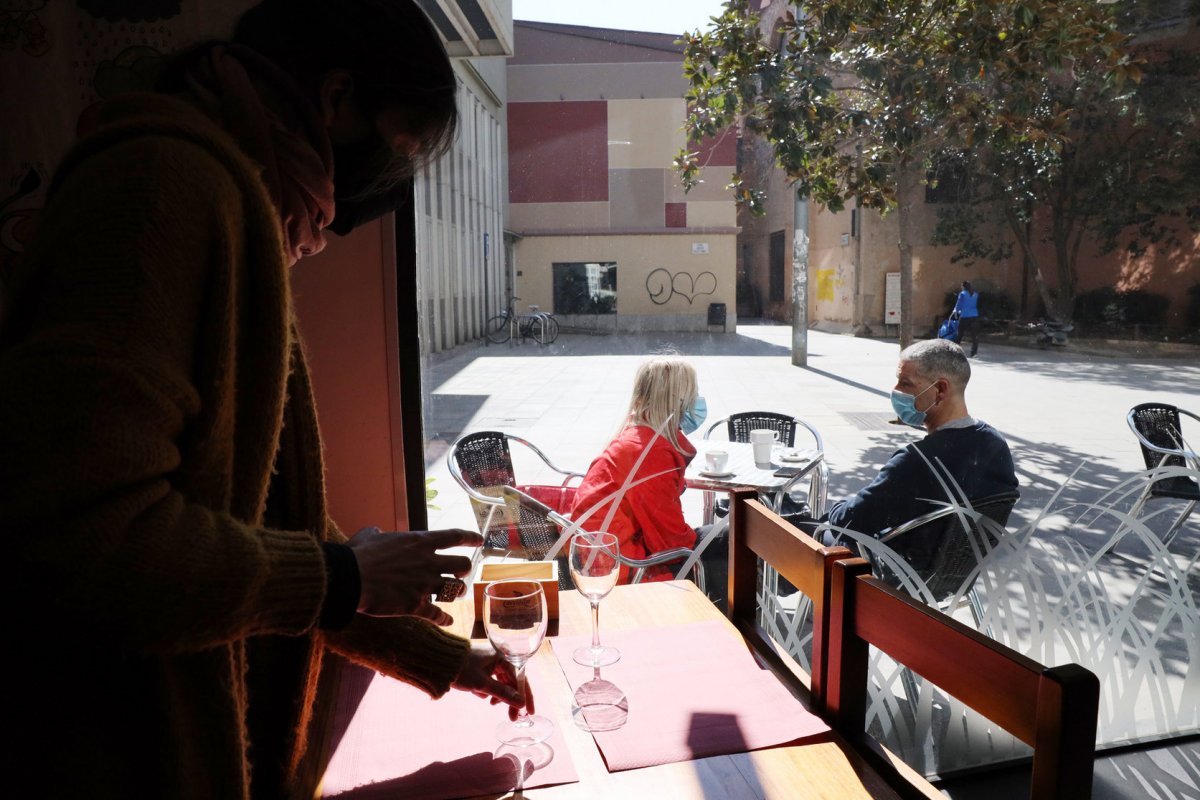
{"x":967,"y":309}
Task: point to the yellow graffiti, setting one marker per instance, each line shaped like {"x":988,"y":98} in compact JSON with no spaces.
{"x":825,"y":284}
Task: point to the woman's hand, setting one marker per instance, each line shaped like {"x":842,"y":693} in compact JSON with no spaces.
{"x":488,"y":674}
{"x":401,"y":571}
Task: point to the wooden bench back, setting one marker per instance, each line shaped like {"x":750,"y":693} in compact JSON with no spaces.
{"x":757,"y":532}
{"x":1051,"y":709}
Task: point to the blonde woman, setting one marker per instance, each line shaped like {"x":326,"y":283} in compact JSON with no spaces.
{"x":641,"y":470}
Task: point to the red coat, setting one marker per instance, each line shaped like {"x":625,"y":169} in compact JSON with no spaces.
{"x":649,"y":517}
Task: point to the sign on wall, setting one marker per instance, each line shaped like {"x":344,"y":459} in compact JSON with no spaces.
{"x":699,"y":248}
{"x":891,"y":299}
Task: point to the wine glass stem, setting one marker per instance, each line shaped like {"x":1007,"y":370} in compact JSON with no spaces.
{"x":595,"y":625}
{"x":522,"y":719}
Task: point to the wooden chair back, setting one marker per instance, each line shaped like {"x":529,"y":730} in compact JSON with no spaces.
{"x":757,"y":532}
{"x":1052,"y":709}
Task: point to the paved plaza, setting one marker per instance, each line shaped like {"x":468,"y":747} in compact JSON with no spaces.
{"x":1062,"y":411}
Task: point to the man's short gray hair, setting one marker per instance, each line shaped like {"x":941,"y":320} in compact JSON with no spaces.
{"x":939,"y":358}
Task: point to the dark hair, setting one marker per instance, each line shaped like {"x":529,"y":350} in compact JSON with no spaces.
{"x":389,"y":47}
{"x":967,"y":286}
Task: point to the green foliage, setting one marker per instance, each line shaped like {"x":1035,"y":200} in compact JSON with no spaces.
{"x":861,"y":88}
{"x":1125,"y":172}
{"x":858,"y":97}
{"x":1108,"y":307}
{"x":430,"y":494}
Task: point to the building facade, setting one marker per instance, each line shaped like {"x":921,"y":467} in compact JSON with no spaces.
{"x":462,"y":274}
{"x":603,"y":233}
{"x":853,"y":252}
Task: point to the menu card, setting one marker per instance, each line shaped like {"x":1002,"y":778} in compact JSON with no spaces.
{"x":392,"y":740}
{"x":693,"y":691}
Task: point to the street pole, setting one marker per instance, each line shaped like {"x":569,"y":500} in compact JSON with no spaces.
{"x":800,"y":282}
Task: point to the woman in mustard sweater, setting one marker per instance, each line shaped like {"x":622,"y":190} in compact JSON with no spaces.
{"x":176,"y":580}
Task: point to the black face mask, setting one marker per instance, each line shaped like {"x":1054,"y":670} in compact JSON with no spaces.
{"x":355,"y":167}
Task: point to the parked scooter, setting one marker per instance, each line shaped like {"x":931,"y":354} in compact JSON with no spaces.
{"x":1047,"y":332}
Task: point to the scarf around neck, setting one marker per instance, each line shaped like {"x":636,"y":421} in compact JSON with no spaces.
{"x":278,"y":128}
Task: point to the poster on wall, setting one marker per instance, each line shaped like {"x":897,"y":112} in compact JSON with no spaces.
{"x":891,"y":299}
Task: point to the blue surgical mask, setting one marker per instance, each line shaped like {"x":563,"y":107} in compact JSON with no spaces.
{"x":905,"y":406}
{"x":694,"y":416}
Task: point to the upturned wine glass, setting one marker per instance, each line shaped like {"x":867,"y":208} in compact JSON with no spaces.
{"x":514,"y":616}
{"x":595,"y":568}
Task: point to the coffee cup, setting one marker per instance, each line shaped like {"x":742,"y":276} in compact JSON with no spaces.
{"x":762,"y":440}
{"x":716,"y":460}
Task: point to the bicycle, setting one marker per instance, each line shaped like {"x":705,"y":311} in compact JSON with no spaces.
{"x":540,"y":326}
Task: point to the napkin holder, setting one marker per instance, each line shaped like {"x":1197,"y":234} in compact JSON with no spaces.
{"x":544,"y":572}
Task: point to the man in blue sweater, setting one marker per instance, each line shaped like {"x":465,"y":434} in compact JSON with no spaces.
{"x":959,"y":450}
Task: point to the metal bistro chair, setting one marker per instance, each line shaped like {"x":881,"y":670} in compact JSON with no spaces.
{"x":481,"y":463}
{"x":1159,"y":433}
{"x":531,"y":508}
{"x":944,"y":548}
{"x":738,"y":427}
{"x":529,"y":517}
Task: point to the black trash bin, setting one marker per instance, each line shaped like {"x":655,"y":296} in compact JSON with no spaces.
{"x":716,"y":314}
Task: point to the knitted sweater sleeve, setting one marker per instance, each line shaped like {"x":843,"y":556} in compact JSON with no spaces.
{"x":98,"y":393}
{"x":867,"y":511}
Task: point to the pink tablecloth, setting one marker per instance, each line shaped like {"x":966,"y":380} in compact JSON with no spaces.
{"x":397,"y":742}
{"x":694,"y":691}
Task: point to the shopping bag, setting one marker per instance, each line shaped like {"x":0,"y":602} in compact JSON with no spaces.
{"x":949,"y":330}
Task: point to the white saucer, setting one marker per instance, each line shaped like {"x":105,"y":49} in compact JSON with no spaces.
{"x":798,"y":455}
{"x":705,"y":473}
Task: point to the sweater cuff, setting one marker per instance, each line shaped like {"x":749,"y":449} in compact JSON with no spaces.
{"x":290,"y":600}
{"x":344,"y":587}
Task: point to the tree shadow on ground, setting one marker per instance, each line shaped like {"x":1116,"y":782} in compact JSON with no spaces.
{"x":1149,"y":374}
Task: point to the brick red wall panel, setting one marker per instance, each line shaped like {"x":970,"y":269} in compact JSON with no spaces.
{"x":558,"y":152}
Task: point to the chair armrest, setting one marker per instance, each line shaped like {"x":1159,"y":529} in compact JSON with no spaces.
{"x":905,"y":527}
{"x":661,"y":557}
{"x":569,"y":473}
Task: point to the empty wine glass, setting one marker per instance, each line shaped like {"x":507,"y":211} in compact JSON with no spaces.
{"x":514,"y":616}
{"x":595,"y":568}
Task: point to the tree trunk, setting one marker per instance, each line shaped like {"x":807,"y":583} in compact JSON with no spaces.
{"x":907,"y":182}
{"x":1022,"y":231}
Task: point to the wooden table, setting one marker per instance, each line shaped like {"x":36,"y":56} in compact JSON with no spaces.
{"x":823,"y":767}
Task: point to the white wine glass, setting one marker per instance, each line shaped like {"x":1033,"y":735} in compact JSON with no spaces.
{"x":514,"y":616}
{"x":595,"y":568}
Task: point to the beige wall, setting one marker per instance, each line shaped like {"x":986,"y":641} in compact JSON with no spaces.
{"x":637,"y":256}
{"x":644,"y":134}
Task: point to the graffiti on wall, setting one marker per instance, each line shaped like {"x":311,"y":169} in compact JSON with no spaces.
{"x":662,"y":285}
